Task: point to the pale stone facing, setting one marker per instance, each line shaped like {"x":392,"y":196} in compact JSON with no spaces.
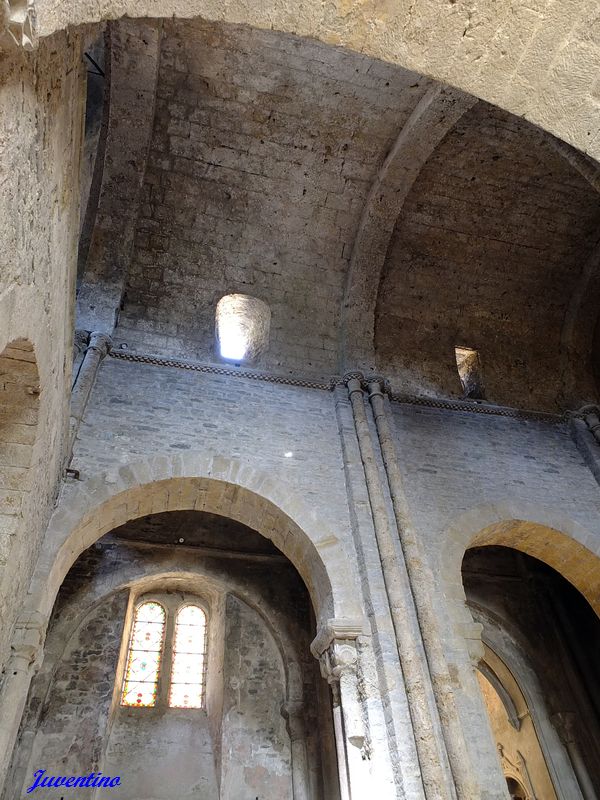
{"x":401,"y":587}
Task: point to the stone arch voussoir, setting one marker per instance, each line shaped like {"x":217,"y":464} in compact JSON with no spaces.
{"x":542,"y":532}
{"x":204,"y":482}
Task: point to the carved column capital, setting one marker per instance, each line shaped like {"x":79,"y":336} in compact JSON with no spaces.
{"x":339,"y":659}
{"x":100,"y":342}
{"x":335,"y":647}
{"x":27,"y":644}
{"x":293,"y":713}
{"x":354,"y":381}
{"x":20,"y":21}
{"x":377,"y":385}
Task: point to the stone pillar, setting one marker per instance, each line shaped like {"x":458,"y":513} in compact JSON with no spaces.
{"x":25,"y":659}
{"x":336,"y":649}
{"x":565,"y":722}
{"x":98,"y":347}
{"x":421,"y":581}
{"x":339,"y":665}
{"x":436,"y":774}
{"x":294,"y":715}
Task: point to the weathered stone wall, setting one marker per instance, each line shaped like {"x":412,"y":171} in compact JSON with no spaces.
{"x":255,"y":747}
{"x":139,"y":409}
{"x":263,"y":152}
{"x":455,"y":462}
{"x":510,"y":225}
{"x":73,"y":723}
{"x":41,"y":98}
{"x":463,"y":472}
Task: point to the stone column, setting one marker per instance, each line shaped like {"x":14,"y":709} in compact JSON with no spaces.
{"x":436,"y":774}
{"x":335,"y":647}
{"x":564,"y":722}
{"x":420,"y":580}
{"x":25,"y":658}
{"x":80,"y":343}
{"x":98,"y":347}
{"x":294,"y":715}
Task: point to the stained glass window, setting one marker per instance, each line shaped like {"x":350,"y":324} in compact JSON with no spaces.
{"x":189,"y":658}
{"x":143,"y":658}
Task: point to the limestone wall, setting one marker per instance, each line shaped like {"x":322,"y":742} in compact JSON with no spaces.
{"x":41,"y":98}
{"x":139,"y":409}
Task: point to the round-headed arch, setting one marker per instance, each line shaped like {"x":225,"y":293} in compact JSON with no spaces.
{"x":549,"y":536}
{"x":540,"y":65}
{"x":200,"y":482}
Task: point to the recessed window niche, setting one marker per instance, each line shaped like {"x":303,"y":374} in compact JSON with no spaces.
{"x":468,"y":364}
{"x":242,"y":327}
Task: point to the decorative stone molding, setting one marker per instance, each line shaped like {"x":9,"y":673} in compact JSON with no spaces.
{"x":293,"y":713}
{"x":339,"y":659}
{"x":339,"y":630}
{"x":20,"y":20}
{"x":517,"y":770}
{"x":100,"y":342}
{"x":27,"y":646}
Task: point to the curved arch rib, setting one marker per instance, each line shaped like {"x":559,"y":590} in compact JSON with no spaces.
{"x":434,"y":116}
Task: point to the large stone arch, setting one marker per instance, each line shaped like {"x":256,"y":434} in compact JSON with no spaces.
{"x":205,"y":482}
{"x":539,"y":64}
{"x":542,"y":532}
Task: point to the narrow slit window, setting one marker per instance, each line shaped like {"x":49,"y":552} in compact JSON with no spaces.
{"x":469,"y":371}
{"x":189,"y":658}
{"x":144,"y":656}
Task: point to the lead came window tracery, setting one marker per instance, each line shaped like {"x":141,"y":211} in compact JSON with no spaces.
{"x":174,"y":633}
{"x":189,"y":646}
{"x":144,"y":656}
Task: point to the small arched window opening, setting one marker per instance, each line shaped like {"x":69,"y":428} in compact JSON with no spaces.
{"x":468,"y":364}
{"x":189,"y":658}
{"x":242,"y":327}
{"x":166,"y":656}
{"x":144,"y":655}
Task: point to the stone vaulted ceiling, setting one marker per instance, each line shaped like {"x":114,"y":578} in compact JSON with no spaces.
{"x":384,"y":218}
{"x":263,"y":151}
